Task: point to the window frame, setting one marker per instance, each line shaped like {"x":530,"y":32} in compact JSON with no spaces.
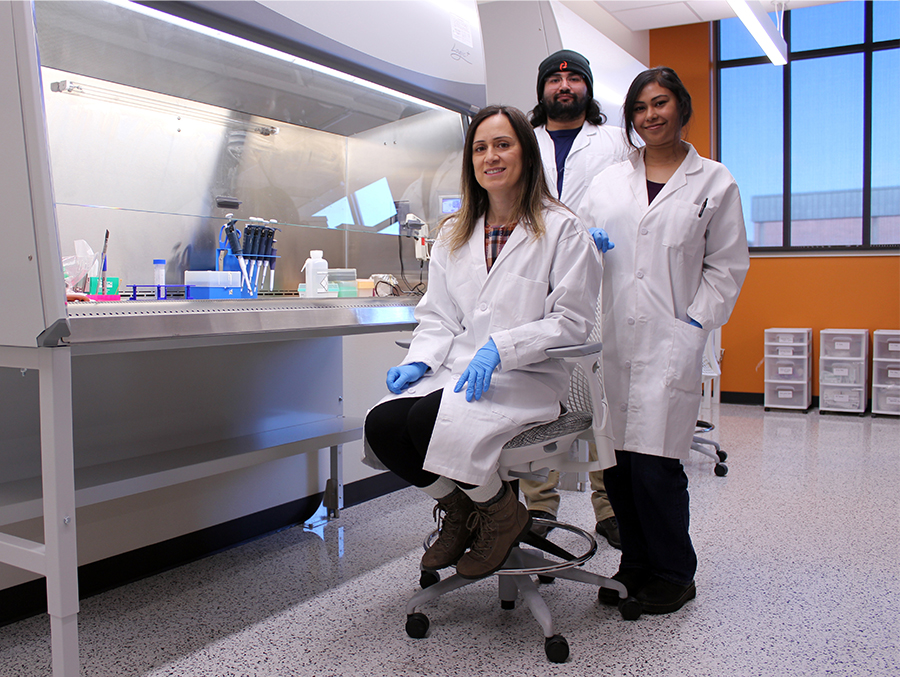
{"x":867,"y":48}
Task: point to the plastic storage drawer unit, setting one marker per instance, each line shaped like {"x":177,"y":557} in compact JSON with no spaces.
{"x":843,"y":370}
{"x":788,"y":358}
{"x":886,"y":372}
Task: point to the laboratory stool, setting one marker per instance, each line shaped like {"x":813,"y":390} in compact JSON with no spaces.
{"x":531,"y":454}
{"x":702,"y":446}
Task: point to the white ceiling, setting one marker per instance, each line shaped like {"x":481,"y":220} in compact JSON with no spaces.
{"x":641,"y":15}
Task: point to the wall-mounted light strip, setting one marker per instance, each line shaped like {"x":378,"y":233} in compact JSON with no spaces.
{"x":268,"y":51}
{"x":158,"y":103}
{"x":761,"y":27}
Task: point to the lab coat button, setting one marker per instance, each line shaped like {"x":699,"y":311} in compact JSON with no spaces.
{"x":639,"y":274}
{"x":644,"y":231}
{"x":627,"y":364}
{"x":623,"y":407}
{"x":484,"y":307}
{"x":631,"y":321}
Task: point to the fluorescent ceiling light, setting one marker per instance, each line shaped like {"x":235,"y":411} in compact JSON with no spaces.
{"x":754,"y":17}
{"x":261,"y":49}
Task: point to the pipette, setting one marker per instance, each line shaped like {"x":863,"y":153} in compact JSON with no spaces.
{"x":235,"y":243}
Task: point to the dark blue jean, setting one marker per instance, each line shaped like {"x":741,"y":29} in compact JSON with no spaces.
{"x":649,"y":496}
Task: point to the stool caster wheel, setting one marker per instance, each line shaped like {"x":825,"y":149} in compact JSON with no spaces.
{"x":721,"y":470}
{"x":428,"y":578}
{"x":507,"y":605}
{"x":545,"y":579}
{"x":630,"y":608}
{"x":557,"y":649}
{"x":416,"y":625}
{"x":722,"y":454}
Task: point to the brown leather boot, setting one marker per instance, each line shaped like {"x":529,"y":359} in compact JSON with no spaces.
{"x":455,"y":536}
{"x":498,"y":528}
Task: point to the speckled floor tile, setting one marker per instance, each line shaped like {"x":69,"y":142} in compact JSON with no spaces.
{"x":799,"y":575}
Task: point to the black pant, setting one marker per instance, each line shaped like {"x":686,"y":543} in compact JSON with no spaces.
{"x":399,"y":431}
{"x":649,"y":496}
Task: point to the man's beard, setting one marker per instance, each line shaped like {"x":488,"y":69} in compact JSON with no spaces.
{"x":558,"y":110}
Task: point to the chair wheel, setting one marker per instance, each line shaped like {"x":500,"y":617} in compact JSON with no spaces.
{"x":508,"y":604}
{"x":416,"y":625}
{"x":721,"y":470}
{"x":428,"y":578}
{"x":545,"y":579}
{"x":557,"y":649}
{"x":630,"y":608}
{"x":722,"y":454}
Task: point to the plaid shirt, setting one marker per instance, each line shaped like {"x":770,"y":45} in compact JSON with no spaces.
{"x":495,"y":238}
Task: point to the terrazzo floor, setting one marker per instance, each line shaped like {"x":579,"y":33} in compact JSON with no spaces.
{"x":799,"y":575}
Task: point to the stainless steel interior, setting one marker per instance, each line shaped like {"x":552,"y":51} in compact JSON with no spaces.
{"x":149,"y":121}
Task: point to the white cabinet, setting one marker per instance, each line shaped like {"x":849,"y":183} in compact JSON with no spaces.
{"x":886,"y":372}
{"x":843,"y":370}
{"x":788,"y":357}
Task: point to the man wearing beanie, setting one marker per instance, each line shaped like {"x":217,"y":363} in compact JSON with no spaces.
{"x":575,"y":143}
{"x":576,"y":146}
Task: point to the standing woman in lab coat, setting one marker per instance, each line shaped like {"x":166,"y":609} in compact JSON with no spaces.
{"x":513,"y":273}
{"x":679,"y":261}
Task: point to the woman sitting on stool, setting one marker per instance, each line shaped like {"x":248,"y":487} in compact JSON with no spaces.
{"x":512,"y":274}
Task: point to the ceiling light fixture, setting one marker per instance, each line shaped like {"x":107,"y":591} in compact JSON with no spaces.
{"x":761,"y":27}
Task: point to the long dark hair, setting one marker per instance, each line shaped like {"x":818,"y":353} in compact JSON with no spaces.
{"x":593,"y":114}
{"x":664,"y":77}
{"x":534,"y":193}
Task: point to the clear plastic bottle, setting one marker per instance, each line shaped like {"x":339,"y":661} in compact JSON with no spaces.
{"x":159,"y":277}
{"x":316,"y":275}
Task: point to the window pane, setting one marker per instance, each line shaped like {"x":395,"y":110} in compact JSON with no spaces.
{"x":735,"y":42}
{"x":885,"y":142}
{"x":752,"y":146}
{"x":827,"y":151}
{"x":841,"y":23}
{"x":886,"y":20}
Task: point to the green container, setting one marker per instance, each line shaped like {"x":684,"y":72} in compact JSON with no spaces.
{"x":112,"y":286}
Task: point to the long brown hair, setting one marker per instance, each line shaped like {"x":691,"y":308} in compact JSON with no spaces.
{"x":534,"y":194}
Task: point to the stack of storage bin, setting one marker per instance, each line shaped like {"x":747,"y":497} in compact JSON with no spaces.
{"x":886,"y":372}
{"x":843,"y":373}
{"x":788,"y":357}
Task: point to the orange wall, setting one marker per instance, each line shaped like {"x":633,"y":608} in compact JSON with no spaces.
{"x":820,"y":292}
{"x":685,"y":49}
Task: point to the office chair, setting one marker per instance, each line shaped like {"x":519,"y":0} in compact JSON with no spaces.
{"x":532,"y":454}
{"x":711,"y":371}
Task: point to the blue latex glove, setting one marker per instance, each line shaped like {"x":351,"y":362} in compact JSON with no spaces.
{"x":694,"y":323}
{"x":601,"y":239}
{"x":402,"y":376}
{"x":479,"y":371}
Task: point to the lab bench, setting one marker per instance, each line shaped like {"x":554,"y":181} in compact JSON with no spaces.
{"x":212,"y":373}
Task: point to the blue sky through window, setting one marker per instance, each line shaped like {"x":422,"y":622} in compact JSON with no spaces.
{"x":827,"y":121}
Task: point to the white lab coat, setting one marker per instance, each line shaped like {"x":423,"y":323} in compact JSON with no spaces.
{"x":595,"y":148}
{"x":670,"y":263}
{"x":539,"y":294}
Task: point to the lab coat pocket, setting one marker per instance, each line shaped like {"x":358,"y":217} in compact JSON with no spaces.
{"x":685,"y":369}
{"x":685,"y":226}
{"x":522,"y":302}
